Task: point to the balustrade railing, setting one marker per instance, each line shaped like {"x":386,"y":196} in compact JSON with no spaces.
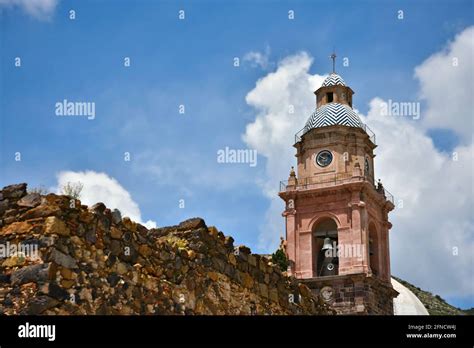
{"x":332,"y":179}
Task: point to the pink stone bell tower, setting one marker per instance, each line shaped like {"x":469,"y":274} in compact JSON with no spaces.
{"x":337,"y":228}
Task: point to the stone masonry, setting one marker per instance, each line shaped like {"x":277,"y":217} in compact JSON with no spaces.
{"x":58,"y":256}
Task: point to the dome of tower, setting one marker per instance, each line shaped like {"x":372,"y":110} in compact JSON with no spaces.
{"x":406,"y":303}
{"x":333,"y":80}
{"x":333,"y":114}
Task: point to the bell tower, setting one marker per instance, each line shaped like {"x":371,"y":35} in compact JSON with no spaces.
{"x":337,"y":228}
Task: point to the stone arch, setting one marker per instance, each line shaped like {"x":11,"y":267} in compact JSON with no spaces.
{"x":318,"y":218}
{"x":325,"y":231}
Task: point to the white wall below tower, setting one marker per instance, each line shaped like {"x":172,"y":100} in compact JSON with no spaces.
{"x":406,"y":303}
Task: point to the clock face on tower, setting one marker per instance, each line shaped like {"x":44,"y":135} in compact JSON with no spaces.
{"x":324,"y":158}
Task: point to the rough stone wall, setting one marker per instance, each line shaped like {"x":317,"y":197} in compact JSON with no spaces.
{"x":93,"y":261}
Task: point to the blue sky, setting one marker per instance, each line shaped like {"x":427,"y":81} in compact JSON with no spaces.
{"x":190,"y":62}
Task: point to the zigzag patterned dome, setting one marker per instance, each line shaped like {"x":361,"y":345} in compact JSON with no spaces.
{"x":333,"y":114}
{"x":332,"y":80}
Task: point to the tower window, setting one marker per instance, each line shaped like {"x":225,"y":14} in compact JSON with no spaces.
{"x":374,"y":260}
{"x":330,"y":97}
{"x":326,"y":260}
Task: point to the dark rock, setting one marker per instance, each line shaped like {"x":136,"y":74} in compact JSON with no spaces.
{"x":46,"y":241}
{"x":115,"y":247}
{"x":243,"y":249}
{"x":87,"y":268}
{"x":4,"y":278}
{"x":14,"y":191}
{"x":178,"y":263}
{"x":192,"y":224}
{"x":39,"y":304}
{"x":80,"y":230}
{"x":142,"y":230}
{"x":218,"y":264}
{"x":63,"y":259}
{"x":136,"y":293}
{"x":229,"y":270}
{"x":113,"y":279}
{"x":105,"y":223}
{"x":56,"y":292}
{"x":116,"y":216}
{"x":111,"y":260}
{"x":141,"y":239}
{"x":33,"y":273}
{"x":95,"y":284}
{"x":3,"y":206}
{"x":98,"y":208}
{"x":207,"y":262}
{"x":113,"y":300}
{"x":62,"y":246}
{"x":127,"y":236}
{"x":130,"y":257}
{"x":31,"y":200}
{"x":162,"y":231}
{"x":91,"y":236}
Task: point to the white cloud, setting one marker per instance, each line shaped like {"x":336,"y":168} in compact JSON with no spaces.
{"x":39,"y":9}
{"x":274,"y":97}
{"x":446,"y":83}
{"x":258,"y":59}
{"x":436,"y":215}
{"x":437,"y":192}
{"x":99,"y":187}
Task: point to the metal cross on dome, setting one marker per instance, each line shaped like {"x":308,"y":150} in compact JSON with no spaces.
{"x":333,"y":57}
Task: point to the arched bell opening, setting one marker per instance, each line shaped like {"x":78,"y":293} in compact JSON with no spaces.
{"x":325,"y":241}
{"x":374,"y":257}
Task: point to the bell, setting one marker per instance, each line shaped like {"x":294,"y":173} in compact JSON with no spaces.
{"x":327,"y":245}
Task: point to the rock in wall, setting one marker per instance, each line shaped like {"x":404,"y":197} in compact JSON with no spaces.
{"x":60,"y":257}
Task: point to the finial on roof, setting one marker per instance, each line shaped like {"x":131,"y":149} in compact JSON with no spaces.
{"x":292,"y":171}
{"x":333,"y":57}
